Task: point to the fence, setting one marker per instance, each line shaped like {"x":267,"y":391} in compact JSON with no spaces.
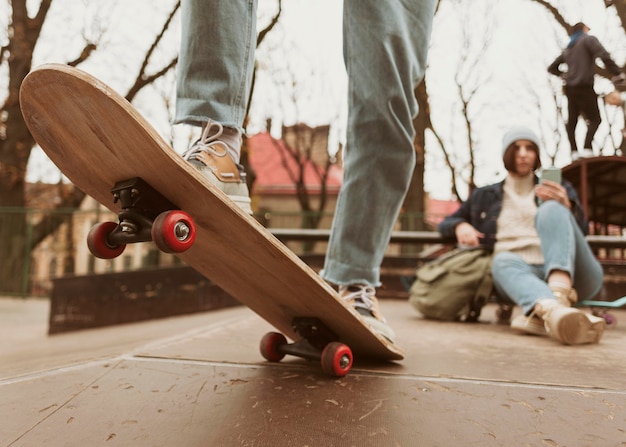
{"x":40,"y":245}
{"x":37,"y":246}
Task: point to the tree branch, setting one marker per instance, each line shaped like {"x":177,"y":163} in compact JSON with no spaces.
{"x":84,"y":54}
{"x":53,"y":219}
{"x":556,"y":14}
{"x":142,"y":78}
{"x":269,"y":27}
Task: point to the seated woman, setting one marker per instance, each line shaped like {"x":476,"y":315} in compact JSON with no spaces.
{"x":542,"y":261}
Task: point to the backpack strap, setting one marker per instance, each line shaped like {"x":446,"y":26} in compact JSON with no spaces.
{"x":483,"y":293}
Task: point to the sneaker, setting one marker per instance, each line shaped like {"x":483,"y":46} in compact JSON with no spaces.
{"x":210,"y":156}
{"x":569,"y":326}
{"x":363,"y":299}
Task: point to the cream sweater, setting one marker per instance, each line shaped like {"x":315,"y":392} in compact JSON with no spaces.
{"x":516,"y":223}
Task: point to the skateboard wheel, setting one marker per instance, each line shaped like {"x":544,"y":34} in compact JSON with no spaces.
{"x":336,"y":359}
{"x":173,"y":231}
{"x":610,"y":319}
{"x":97,"y":241}
{"x":270,"y":344}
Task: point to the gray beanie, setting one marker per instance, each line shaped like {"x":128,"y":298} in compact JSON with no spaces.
{"x":518,"y":133}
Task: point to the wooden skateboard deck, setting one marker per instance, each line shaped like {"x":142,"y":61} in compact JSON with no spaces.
{"x":96,"y":138}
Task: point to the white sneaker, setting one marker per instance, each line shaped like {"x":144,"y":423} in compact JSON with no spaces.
{"x":210,"y":156}
{"x":363,"y":299}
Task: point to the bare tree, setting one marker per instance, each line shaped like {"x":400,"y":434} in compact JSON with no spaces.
{"x":414,"y":201}
{"x":16,"y":143}
{"x":304,"y":152}
{"x":469,"y":81}
{"x":303,"y":149}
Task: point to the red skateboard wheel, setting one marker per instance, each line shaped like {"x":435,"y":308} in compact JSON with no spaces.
{"x":336,"y":359}
{"x":270,"y":344}
{"x":97,"y":241}
{"x":173,"y":231}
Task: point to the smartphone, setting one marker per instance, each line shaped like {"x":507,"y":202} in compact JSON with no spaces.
{"x":552,"y":173}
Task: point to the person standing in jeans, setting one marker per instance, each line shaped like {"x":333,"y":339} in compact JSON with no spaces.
{"x":385,"y":46}
{"x":580,"y":57}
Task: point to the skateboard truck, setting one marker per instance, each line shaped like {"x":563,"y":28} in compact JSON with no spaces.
{"x":145,"y":216}
{"x":318,"y":343}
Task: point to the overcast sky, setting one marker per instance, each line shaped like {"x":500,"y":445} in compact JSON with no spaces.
{"x":522,"y":39}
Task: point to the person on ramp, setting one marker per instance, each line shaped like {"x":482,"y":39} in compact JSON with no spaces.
{"x":580,"y":57}
{"x":385,"y":48}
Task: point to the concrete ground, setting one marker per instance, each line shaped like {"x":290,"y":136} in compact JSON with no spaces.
{"x":199,"y":380}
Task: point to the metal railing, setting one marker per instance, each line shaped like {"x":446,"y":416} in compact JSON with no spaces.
{"x":29,"y":263}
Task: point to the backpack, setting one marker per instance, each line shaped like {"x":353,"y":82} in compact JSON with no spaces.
{"x":455,"y":286}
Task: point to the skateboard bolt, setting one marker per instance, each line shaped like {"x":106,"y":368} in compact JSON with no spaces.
{"x":128,"y":227}
{"x":181,"y":230}
{"x":344,"y":361}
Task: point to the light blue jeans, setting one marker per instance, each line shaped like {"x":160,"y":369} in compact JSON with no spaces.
{"x":564,"y":248}
{"x":216,"y":61}
{"x":385,"y":48}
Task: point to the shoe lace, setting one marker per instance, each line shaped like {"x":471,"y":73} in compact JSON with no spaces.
{"x":363,"y":299}
{"x":207,"y":141}
{"x":360,"y":296}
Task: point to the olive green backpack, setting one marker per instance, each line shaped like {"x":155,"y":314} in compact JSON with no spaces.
{"x":455,"y":286}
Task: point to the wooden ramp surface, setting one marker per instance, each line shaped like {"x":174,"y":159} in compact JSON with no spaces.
{"x":197,"y":381}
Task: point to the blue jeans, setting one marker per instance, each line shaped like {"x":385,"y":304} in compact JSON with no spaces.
{"x":216,"y":61}
{"x":564,"y":248}
{"x":385,"y":47}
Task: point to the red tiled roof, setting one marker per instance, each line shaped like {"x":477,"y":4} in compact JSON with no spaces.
{"x":276,"y":171}
{"x":273,"y":170}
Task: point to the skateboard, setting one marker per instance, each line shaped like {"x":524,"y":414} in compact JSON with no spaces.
{"x":109,"y":151}
{"x":601,"y":308}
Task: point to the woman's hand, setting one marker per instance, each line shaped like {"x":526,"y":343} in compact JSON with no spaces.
{"x":549,"y":190}
{"x":467,"y":235}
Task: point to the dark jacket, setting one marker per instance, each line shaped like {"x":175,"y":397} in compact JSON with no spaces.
{"x":482,"y":209}
{"x":580,"y":58}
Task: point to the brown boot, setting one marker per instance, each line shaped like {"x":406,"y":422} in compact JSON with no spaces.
{"x":568,"y":325}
